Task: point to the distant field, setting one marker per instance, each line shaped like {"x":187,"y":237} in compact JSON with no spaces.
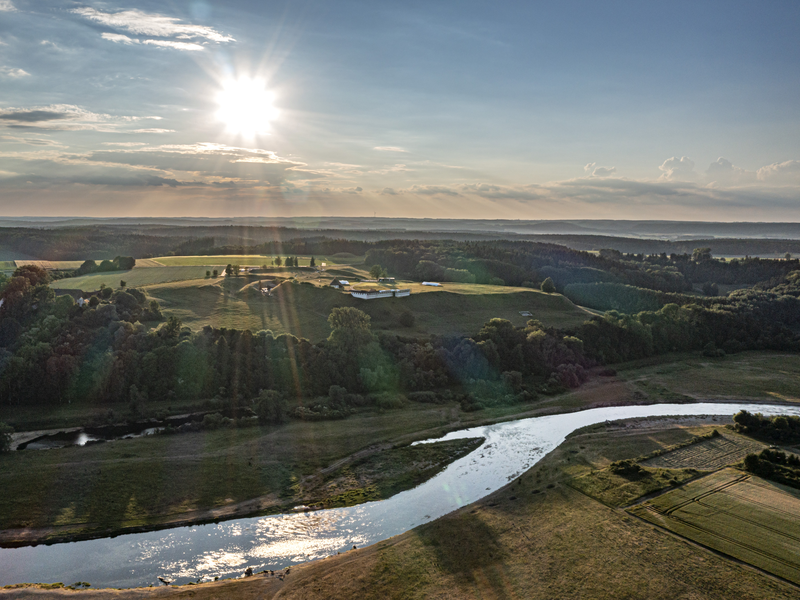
{"x":133,"y":278}
{"x":252,"y":260}
{"x":708,"y":455}
{"x":7,"y":265}
{"x":749,"y":374}
{"x":742,"y":516}
{"x":303,"y":309}
{"x":62,"y":265}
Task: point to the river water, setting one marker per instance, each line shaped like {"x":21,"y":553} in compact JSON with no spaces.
{"x":226,"y":549}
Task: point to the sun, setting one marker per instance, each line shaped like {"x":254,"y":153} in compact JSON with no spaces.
{"x":245,"y":106}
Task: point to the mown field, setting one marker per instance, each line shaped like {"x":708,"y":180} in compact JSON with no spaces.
{"x":710,"y":454}
{"x":746,"y":517}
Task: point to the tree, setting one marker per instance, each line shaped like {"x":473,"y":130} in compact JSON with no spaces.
{"x":701,"y":254}
{"x":88,"y":266}
{"x":172,"y":327}
{"x":216,"y":273}
{"x":377,"y":271}
{"x":5,"y":437}
{"x":122,"y":283}
{"x":548,"y":287}
{"x":350,"y":327}
{"x":208,"y":274}
{"x":313,"y":263}
{"x":270,"y":407}
{"x":710,"y":289}
{"x":278,"y":261}
{"x":229,"y":270}
{"x":788,"y":256}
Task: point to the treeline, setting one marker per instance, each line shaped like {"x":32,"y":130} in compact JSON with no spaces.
{"x":53,"y":351}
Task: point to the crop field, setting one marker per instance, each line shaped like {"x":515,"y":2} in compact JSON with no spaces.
{"x":50,"y":265}
{"x":708,"y":455}
{"x":767,"y":375}
{"x":133,"y":278}
{"x":742,"y":516}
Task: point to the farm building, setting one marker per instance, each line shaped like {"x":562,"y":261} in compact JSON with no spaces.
{"x":432,"y":283}
{"x":387,"y":280}
{"x":339,"y":283}
{"x":373,"y":294}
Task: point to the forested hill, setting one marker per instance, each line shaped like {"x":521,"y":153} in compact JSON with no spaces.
{"x":79,"y":242}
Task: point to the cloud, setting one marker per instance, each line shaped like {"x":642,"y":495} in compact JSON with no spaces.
{"x":139,"y":22}
{"x":433,"y":190}
{"x":389,"y":149}
{"x":595,"y":171}
{"x":6,"y":6}
{"x":29,"y":141}
{"x":785,"y":172}
{"x":67,"y":117}
{"x":119,"y":38}
{"x":176,"y":45}
{"x":501,"y":192}
{"x":681,"y":169}
{"x":723,"y":170}
{"x":35,"y":116}
{"x":204,"y":160}
{"x":13,"y":72}
{"x":389,"y":192}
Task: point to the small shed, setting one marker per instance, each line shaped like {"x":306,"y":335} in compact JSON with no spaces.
{"x":339,"y":283}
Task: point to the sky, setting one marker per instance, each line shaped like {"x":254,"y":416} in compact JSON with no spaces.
{"x":446,"y":109}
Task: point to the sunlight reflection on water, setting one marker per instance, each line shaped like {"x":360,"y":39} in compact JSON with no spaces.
{"x":227,"y":549}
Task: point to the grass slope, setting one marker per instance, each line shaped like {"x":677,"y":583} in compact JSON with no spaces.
{"x":136,"y":277}
{"x":303,"y":309}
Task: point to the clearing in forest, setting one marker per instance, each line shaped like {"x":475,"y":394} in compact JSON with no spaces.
{"x":743,"y":516}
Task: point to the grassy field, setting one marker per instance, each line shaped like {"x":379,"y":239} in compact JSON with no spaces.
{"x":741,"y":515}
{"x":254,"y":260}
{"x":770,"y":375}
{"x":303,"y":309}
{"x":136,"y":277}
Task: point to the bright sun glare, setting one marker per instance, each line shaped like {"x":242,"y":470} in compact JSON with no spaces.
{"x":245,"y":106}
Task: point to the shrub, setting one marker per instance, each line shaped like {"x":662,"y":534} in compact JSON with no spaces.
{"x":548,"y":287}
{"x":5,"y":437}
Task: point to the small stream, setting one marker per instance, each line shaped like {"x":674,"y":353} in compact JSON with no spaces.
{"x":226,"y":549}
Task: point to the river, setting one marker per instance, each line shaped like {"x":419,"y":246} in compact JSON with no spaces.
{"x":226,"y":549}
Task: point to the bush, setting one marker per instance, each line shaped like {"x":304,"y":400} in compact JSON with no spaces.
{"x":548,"y":287}
{"x":388,"y":401}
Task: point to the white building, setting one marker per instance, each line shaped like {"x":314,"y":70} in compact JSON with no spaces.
{"x":373,"y":294}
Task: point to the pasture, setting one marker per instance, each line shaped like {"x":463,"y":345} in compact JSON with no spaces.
{"x":740,"y":515}
{"x":756,"y":375}
{"x":136,"y":277}
{"x":302,"y":309}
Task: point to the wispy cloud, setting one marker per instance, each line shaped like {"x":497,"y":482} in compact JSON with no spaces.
{"x":6,"y":6}
{"x":389,"y":149}
{"x":185,"y":36}
{"x":13,"y":72}
{"x":66,"y":117}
